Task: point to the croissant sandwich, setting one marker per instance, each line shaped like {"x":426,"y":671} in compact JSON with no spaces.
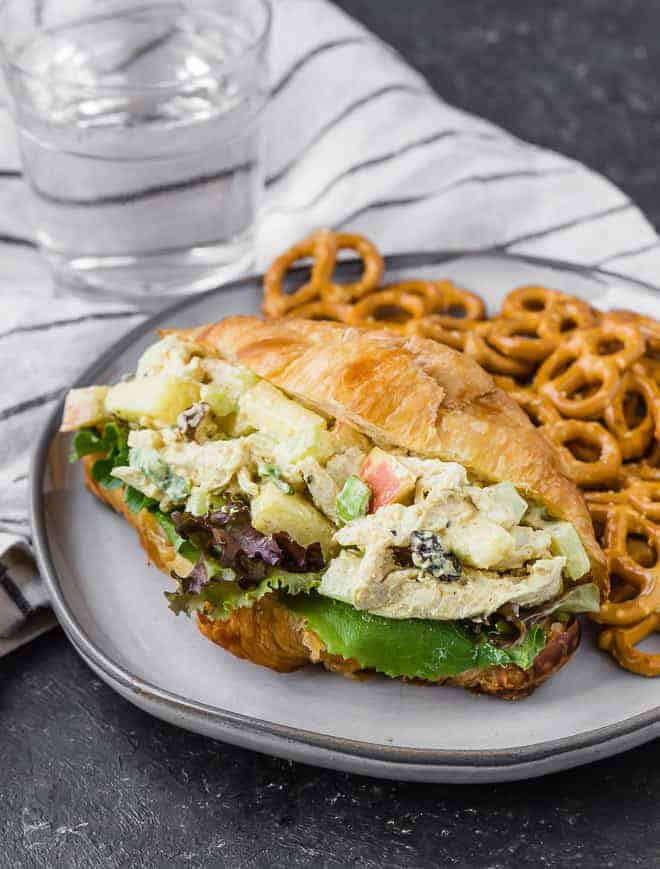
{"x":358,"y":499}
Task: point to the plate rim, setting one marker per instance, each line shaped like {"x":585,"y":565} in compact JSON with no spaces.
{"x":375,"y":757}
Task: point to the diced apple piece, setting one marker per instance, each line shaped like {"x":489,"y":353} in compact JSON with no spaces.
{"x":267,"y":409}
{"x":565,"y":541}
{"x":158,"y":399}
{"x":273,"y":510}
{"x":479,"y":543}
{"x":387,"y":478}
{"x":84,"y":407}
{"x":172,"y":356}
{"x":500,"y":503}
{"x":315,"y":443}
{"x":220,"y":400}
{"x":234,"y":380}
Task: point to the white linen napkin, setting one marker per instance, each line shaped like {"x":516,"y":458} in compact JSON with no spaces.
{"x":355,"y":139}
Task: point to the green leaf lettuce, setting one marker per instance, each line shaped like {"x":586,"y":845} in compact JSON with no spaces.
{"x":415,"y":648}
{"x":221,"y":596}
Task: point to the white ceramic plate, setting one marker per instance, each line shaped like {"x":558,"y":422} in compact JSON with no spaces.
{"x":110,"y":603}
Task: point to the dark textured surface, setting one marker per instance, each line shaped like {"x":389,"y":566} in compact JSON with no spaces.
{"x":86,"y":780}
{"x":580,"y":76}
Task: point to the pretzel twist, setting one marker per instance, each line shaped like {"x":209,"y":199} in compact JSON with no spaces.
{"x":633,"y":423}
{"x":589,"y":453}
{"x":323,"y":247}
{"x":635,"y":565}
{"x":582,"y":376}
{"x":621,"y":644}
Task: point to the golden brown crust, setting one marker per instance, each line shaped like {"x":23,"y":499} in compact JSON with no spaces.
{"x":271,"y":635}
{"x":412,"y":393}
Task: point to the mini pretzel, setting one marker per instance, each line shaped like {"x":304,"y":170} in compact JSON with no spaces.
{"x":579,"y":386}
{"x":633,"y":431}
{"x":432,"y":326}
{"x":621,"y":344}
{"x":649,"y":328}
{"x":389,"y":308}
{"x":537,"y":407}
{"x":449,"y":304}
{"x":552,"y":312}
{"x":478,"y":346}
{"x":323,"y":247}
{"x":323,"y":311}
{"x":621,"y":643}
{"x":644,"y":495}
{"x":528,"y":301}
{"x":521,"y":338}
{"x":651,"y":367}
{"x":582,"y":375}
{"x":584,"y":469}
{"x":566,"y":315}
{"x":648,"y":468}
{"x":625,"y":563}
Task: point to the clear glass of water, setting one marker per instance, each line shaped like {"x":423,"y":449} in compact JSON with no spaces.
{"x":139,"y":131}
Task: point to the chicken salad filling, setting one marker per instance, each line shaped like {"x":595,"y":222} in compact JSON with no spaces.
{"x":228,"y":464}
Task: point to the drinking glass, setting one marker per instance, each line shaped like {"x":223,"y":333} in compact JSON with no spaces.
{"x":139,"y":131}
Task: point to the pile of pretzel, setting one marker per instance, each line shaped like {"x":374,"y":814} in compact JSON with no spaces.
{"x":589,"y":380}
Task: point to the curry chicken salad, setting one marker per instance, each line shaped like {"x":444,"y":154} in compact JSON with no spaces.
{"x":375,"y":557}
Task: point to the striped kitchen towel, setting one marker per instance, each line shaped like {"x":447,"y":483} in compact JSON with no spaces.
{"x":356,"y":139}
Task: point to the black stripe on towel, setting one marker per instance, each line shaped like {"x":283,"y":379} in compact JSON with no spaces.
{"x":472,"y":179}
{"x":384,"y":158}
{"x":55,"y":324}
{"x":10,"y":173}
{"x":16,"y":239}
{"x":568,"y":224}
{"x":315,"y":52}
{"x":13,"y":591}
{"x":352,"y":107}
{"x":636,"y":251}
{"x":29,"y":404}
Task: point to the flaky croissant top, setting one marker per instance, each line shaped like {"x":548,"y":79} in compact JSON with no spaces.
{"x":410,"y":393}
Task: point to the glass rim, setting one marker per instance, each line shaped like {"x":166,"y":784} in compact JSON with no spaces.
{"x":254,"y":44}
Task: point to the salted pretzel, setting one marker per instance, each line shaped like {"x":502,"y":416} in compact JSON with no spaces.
{"x":641,"y":495}
{"x":633,"y":413}
{"x":632,"y":546}
{"x":582,"y":376}
{"x":449,"y":304}
{"x":648,"y":467}
{"x":621,"y":644}
{"x":590,"y":454}
{"x":478,"y":345}
{"x":390,"y":308}
{"x":521,"y":338}
{"x":649,"y":328}
{"x":332,"y":311}
{"x":323,"y":247}
{"x":528,"y":300}
{"x":540,"y":411}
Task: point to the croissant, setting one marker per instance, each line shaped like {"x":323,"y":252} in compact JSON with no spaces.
{"x":424,"y":409}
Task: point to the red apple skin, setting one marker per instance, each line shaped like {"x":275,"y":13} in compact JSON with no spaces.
{"x":386,"y":486}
